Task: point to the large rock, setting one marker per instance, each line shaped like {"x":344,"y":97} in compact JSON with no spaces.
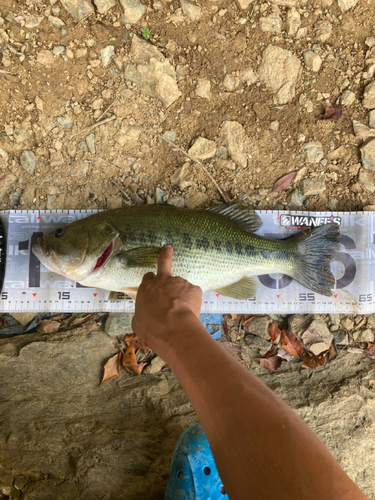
{"x":152,"y":72}
{"x":62,"y":437}
{"x":78,"y":9}
{"x":280,"y":70}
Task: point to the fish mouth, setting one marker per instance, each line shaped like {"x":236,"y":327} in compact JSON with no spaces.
{"x":103,"y":258}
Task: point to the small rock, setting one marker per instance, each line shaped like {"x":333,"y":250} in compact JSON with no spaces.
{"x":182,"y":177}
{"x":133,"y":11}
{"x":366,"y":335}
{"x":191,"y":10}
{"x":369,"y":208}
{"x":90,"y":194}
{"x":229,"y":164}
{"x":274,"y":126}
{"x":114,"y":202}
{"x":248,"y":76}
{"x":159,"y":196}
{"x":97,"y":103}
{"x":369,"y":96}
{"x":106,"y":55}
{"x":324,"y":29}
{"x":119,"y":324}
{"x":343,"y":153}
{"x":45,"y":57}
{"x":203,"y":88}
{"x":82,"y":145}
{"x":81,"y":53}
{"x":314,"y":151}
{"x":243,"y":4}
{"x":127,"y":136}
{"x":347,"y":98}
{"x":203,"y":149}
{"x":347,"y":4}
{"x":78,"y":9}
{"x":235,"y":139}
{"x":231,"y":82}
{"x":27,"y":197}
{"x":170,"y":135}
{"x":313,"y":61}
{"x":14,"y":198}
{"x":366,"y":178}
{"x":371,"y":320}
{"x":90,"y":141}
{"x":150,"y":200}
{"x":29,"y":161}
{"x":301,"y":33}
{"x":196,"y":200}
{"x":295,"y":199}
{"x":65,"y":121}
{"x":341,"y":338}
{"x":368,"y":155}
{"x":333,"y":204}
{"x":261,"y":110}
{"x":103,"y":6}
{"x":312,"y":187}
{"x":271,"y":23}
{"x":293,"y":21}
{"x":79,"y":168}
{"x":136,"y":199}
{"x":362,"y":131}
{"x":59,"y":49}
{"x":21,"y":134}
{"x":371,"y":118}
{"x":176,"y":201}
{"x":347,"y":323}
{"x":259,"y":326}
{"x":156,"y":365}
{"x":317,"y":337}
{"x":6,"y":182}
{"x":56,"y":21}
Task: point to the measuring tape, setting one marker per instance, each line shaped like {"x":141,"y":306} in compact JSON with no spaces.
{"x":29,"y":287}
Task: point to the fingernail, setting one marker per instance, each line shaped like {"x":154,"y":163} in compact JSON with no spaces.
{"x":168,"y":246}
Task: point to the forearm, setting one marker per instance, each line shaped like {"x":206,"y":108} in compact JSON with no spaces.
{"x":251,"y":430}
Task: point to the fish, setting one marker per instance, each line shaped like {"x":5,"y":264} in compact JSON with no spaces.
{"x":215,"y":248}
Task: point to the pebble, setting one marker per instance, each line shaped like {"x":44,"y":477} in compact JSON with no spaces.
{"x":313,"y":61}
{"x":21,"y":134}
{"x":317,"y":337}
{"x":347,"y":4}
{"x":259,"y":326}
{"x":314,"y":151}
{"x":192,"y":11}
{"x":176,"y":201}
{"x":14,"y":198}
{"x":203,"y":88}
{"x":366,"y":178}
{"x":362,"y":131}
{"x":59,"y":49}
{"x":79,"y":168}
{"x":243,"y":196}
{"x":133,"y":11}
{"x":368,"y":155}
{"x":78,"y":9}
{"x":371,"y":118}
{"x":6,"y":182}
{"x":56,"y":21}
{"x":293,"y":21}
{"x":363,"y":335}
{"x":65,"y":122}
{"x":243,"y":4}
{"x":333,"y":204}
{"x":159,"y":196}
{"x":249,"y":76}
{"x":90,"y":194}
{"x":106,"y":55}
{"x":196,"y":200}
{"x":312,"y":187}
{"x":235,"y":139}
{"x":90,"y":141}
{"x":280,"y":70}
{"x":347,"y":98}
{"x":324,"y":29}
{"x":182,"y":176}
{"x":29,"y":161}
{"x":156,"y":365}
{"x":170,"y":135}
{"x":45,"y":57}
{"x":271,"y":23}
{"x":136,"y":199}
{"x":203,"y":149}
{"x":119,"y":324}
{"x":97,"y":103}
{"x":231,"y":82}
{"x":274,"y":126}
{"x":369,"y":96}
{"x":301,"y":33}
{"x":295,"y":199}
{"x":82,"y":145}
{"x":369,"y":208}
{"x":103,"y":6}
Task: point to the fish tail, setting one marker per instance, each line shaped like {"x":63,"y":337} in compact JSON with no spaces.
{"x":316,"y":249}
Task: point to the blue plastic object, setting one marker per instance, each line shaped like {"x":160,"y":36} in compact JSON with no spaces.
{"x":213,"y":324}
{"x":193,"y":474}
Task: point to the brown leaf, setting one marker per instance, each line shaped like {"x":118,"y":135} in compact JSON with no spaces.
{"x":129,"y":361}
{"x":271,"y":352}
{"x":284,"y":182}
{"x":272,"y":363}
{"x":370,"y":349}
{"x":332,"y":352}
{"x":111,"y":368}
{"x":274,"y":332}
{"x":48,"y":326}
{"x":231,"y":347}
{"x":135,"y":341}
{"x":312,"y":361}
{"x":291,"y":344}
{"x":247,"y":318}
{"x":330,"y":114}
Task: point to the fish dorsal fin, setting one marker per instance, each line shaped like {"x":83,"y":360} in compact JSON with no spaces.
{"x":139,"y":257}
{"x":243,"y":289}
{"x":247,"y":219}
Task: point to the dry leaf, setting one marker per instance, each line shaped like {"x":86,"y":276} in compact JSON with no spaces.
{"x":332,"y":352}
{"x":271,"y":352}
{"x":272,"y":363}
{"x":291,"y":344}
{"x":48,"y":326}
{"x":231,"y":347}
{"x":284,"y":182}
{"x":111,"y":368}
{"x":274,"y":332}
{"x":135,"y":341}
{"x":330,"y":114}
{"x":312,"y":361}
{"x":370,"y":349}
{"x":129,"y":361}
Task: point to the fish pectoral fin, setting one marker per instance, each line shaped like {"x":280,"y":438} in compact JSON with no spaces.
{"x":243,"y":289}
{"x":139,"y":257}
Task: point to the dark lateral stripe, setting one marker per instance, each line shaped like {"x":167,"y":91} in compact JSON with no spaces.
{"x":186,"y":241}
{"x":203,"y":243}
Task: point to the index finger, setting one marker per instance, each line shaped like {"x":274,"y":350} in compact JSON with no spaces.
{"x":165,"y":261}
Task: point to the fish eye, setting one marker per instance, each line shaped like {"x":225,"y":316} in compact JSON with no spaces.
{"x":59,"y":232}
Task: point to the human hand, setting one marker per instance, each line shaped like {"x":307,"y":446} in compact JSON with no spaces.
{"x":164,"y":302}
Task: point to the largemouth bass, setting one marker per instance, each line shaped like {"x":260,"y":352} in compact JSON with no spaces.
{"x":215,"y":249}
